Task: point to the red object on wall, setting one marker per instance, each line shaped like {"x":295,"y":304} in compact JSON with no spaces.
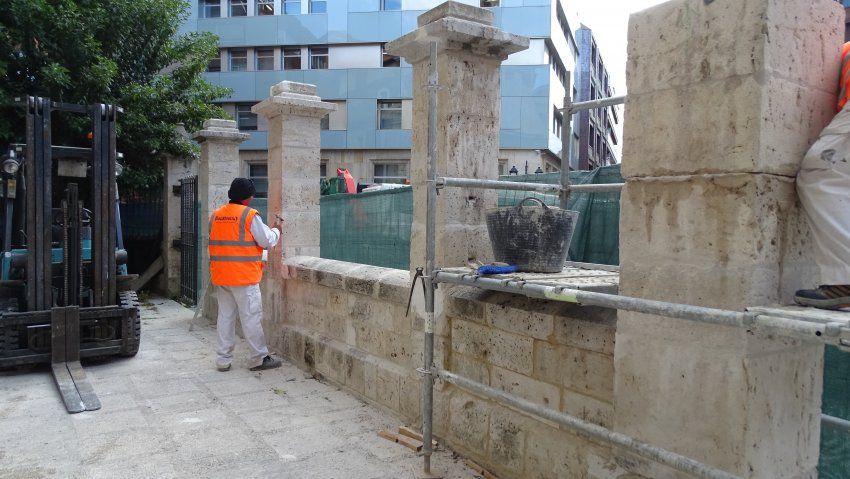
{"x":350,"y":185}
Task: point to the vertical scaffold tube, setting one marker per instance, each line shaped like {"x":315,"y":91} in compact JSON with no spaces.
{"x":566,"y":143}
{"x":430,"y":253}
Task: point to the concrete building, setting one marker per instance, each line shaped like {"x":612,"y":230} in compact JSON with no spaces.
{"x":597,"y":136}
{"x":846,"y":4}
{"x":338,"y":46}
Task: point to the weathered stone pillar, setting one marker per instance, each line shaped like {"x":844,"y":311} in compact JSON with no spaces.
{"x":294,"y":114}
{"x":724,"y":99}
{"x":469,"y":55}
{"x":219,"y":164}
{"x":175,"y":170}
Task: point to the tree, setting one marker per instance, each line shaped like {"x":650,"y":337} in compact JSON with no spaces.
{"x":125,"y":52}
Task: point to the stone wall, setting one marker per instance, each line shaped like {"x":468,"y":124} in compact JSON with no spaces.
{"x":346,"y":322}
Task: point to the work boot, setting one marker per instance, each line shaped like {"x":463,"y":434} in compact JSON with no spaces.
{"x":835,"y":296}
{"x":269,"y":362}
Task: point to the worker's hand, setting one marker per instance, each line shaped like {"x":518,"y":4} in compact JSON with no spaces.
{"x":278,"y":222}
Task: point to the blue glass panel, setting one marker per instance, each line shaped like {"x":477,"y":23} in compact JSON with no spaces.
{"x":390,"y":4}
{"x":263,"y":81}
{"x":535,"y":122}
{"x":230,"y":31}
{"x":335,"y":139}
{"x":259,"y":141}
{"x":294,"y":75}
{"x":374,"y":26}
{"x":406,"y":82}
{"x":363,"y":5}
{"x":510,"y":139}
{"x":374,"y":83}
{"x":361,"y":123}
{"x":511,"y":113}
{"x":535,"y":3}
{"x":527,"y":80}
{"x":242,"y":84}
{"x":408,"y":20}
{"x":303,"y":30}
{"x":528,"y":21}
{"x":338,"y":22}
{"x":259,"y":30}
{"x":330,"y":84}
{"x":291,"y":7}
{"x":393,"y":139}
{"x":318,"y":6}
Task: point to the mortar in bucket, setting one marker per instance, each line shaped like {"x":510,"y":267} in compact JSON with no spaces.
{"x":532,"y":238}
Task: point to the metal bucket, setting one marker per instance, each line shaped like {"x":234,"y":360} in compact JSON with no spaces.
{"x":534,"y":239}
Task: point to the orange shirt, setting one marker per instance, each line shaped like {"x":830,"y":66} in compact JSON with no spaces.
{"x":235,"y":258}
{"x":844,"y":88}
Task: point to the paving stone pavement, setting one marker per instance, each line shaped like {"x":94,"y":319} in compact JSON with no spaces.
{"x":167,"y":413}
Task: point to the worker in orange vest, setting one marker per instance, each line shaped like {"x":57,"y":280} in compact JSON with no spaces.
{"x":823,"y":184}
{"x":238,"y":237}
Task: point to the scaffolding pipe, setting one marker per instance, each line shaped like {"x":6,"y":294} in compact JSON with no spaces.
{"x":566,"y":146}
{"x":835,"y":423}
{"x":430,"y":254}
{"x":594,"y":104}
{"x":522,"y":186}
{"x":829,"y":333}
{"x":589,"y":430}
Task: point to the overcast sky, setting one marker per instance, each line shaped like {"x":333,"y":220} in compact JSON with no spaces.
{"x":609,"y":20}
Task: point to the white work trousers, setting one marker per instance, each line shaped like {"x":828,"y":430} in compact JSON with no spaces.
{"x":247,"y":303}
{"x":823,"y":184}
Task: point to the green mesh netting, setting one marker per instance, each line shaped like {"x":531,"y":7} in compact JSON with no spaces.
{"x":370,"y":228}
{"x":835,"y":445}
{"x":596,"y":238}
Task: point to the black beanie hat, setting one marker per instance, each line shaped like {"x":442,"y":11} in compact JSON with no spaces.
{"x":241,"y":189}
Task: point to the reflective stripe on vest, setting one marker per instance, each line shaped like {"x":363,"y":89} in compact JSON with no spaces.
{"x":844,"y":86}
{"x":235,"y":258}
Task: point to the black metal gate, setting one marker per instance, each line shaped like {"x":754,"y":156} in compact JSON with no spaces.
{"x":189,"y":212}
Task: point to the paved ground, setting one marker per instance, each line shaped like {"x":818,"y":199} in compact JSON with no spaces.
{"x":168,"y":413}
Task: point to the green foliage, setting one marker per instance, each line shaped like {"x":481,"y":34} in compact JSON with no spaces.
{"x":124,"y":52}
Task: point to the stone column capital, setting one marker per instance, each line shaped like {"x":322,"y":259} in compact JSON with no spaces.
{"x":457,"y":27}
{"x":294,"y":99}
{"x":220,"y":131}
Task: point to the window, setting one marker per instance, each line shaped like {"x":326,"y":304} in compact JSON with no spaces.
{"x":318,"y":58}
{"x":245,"y":119}
{"x":389,"y":114}
{"x":264,"y":58}
{"x":214,"y":65}
{"x":292,"y":7}
{"x":265,"y":7}
{"x":238,"y":8}
{"x":323,"y":170}
{"x":390,"y":4}
{"x":210,"y":8}
{"x":292,"y":58}
{"x":259,"y":174}
{"x":325,"y":124}
{"x":239,"y":60}
{"x":390,"y":172}
{"x":503,"y":166}
{"x":489,"y":3}
{"x":388,"y":60}
{"x":318,"y":6}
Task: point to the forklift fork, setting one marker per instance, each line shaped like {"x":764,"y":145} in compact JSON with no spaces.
{"x":77,"y":393}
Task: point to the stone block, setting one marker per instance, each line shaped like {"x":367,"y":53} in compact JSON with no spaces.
{"x":726,"y":236}
{"x":587,"y":328}
{"x":503,"y":349}
{"x":738,"y":124}
{"x":586,"y":372}
{"x":466,"y":303}
{"x":410,"y":398}
{"x":387,"y":384}
{"x":470,"y":368}
{"x":456,"y":10}
{"x":507,"y":440}
{"x":470,"y":421}
{"x":554,"y":454}
{"x":659,"y":380}
{"x":525,"y":387}
{"x":588,"y":408}
{"x":520,"y":321}
{"x":684,"y":42}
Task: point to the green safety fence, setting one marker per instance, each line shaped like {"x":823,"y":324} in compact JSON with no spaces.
{"x":835,"y":445}
{"x":371,"y":228}
{"x":596,"y":238}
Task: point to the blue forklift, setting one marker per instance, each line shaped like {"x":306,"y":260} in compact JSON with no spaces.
{"x":64,"y":288}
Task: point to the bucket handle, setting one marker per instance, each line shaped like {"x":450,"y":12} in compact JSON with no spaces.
{"x":531,"y":198}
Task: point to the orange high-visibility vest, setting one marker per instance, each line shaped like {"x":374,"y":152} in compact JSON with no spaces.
{"x":235,"y":258}
{"x":844,"y":89}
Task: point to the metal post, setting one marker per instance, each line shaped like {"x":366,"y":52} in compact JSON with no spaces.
{"x":430,"y":254}
{"x":566,"y":142}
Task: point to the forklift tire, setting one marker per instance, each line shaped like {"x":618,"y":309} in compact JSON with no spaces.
{"x":129,"y":299}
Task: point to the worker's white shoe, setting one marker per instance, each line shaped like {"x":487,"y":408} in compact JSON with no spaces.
{"x":223,"y":368}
